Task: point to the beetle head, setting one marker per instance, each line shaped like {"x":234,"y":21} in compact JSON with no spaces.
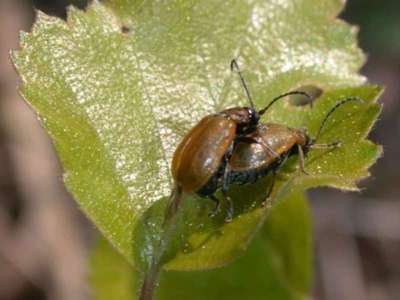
{"x":246,"y":118}
{"x":254,"y":117}
{"x":250,"y":121}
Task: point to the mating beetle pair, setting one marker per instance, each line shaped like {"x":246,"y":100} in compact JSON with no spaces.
{"x":233,"y":147}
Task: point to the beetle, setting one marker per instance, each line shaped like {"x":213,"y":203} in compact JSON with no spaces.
{"x":250,"y":160}
{"x":199,"y":162}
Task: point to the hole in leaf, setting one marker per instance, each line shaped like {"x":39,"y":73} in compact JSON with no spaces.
{"x":300,"y":100}
{"x":125,"y":29}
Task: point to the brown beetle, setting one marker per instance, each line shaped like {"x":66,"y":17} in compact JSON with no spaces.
{"x":250,"y":160}
{"x":198,"y":164}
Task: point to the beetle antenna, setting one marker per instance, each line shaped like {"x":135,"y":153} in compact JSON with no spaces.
{"x":340,"y":103}
{"x":235,"y":67}
{"x":261,"y":112}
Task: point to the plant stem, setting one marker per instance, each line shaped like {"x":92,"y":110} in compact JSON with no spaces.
{"x":168,"y":227}
{"x":149,"y":283}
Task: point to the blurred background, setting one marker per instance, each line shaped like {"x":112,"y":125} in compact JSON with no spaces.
{"x":45,"y":240}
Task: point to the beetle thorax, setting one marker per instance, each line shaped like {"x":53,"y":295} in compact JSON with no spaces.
{"x":246,"y":118}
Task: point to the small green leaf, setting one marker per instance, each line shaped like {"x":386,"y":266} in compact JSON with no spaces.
{"x":276,"y":266}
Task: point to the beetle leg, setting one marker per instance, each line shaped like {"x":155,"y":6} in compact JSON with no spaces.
{"x":254,"y":141}
{"x":269,"y":150}
{"x":229,"y":203}
{"x":229,"y":209}
{"x":228,"y":200}
{"x":271,"y":187}
{"x":216,"y":208}
{"x":280,"y":175}
{"x":225,"y":184}
{"x":275,"y":174}
{"x":301,"y":159}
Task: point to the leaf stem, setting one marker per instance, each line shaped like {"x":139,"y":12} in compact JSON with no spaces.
{"x":168,"y":229}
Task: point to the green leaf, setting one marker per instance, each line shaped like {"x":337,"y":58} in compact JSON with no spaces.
{"x":116,"y":104}
{"x":276,"y":266}
{"x":111,"y":276}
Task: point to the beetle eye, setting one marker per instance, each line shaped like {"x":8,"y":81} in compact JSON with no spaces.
{"x":255,"y":117}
